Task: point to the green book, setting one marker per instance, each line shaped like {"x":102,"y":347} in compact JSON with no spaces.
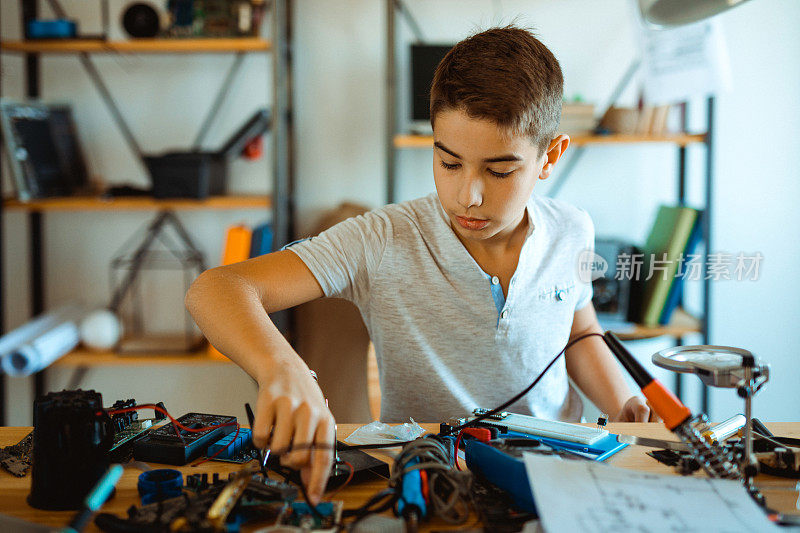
{"x":666,"y":242}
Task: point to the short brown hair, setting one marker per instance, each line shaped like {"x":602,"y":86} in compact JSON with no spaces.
{"x":505,"y":75}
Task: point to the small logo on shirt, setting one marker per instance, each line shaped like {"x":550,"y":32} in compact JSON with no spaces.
{"x":591,"y":266}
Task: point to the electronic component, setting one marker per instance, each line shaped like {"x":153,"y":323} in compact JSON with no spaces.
{"x":538,"y":426}
{"x":235,"y":450}
{"x":71,"y":439}
{"x":122,"y":448}
{"x":128,"y":427}
{"x":169,"y":445}
{"x":16,"y":459}
{"x":255,"y":498}
{"x":299,"y":514}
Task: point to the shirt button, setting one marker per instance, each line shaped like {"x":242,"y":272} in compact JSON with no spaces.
{"x":504,"y":314}
{"x":560,"y":295}
{"x":495,"y":280}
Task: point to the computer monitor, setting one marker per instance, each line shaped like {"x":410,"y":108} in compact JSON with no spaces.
{"x":424,"y":60}
{"x":43,"y":149}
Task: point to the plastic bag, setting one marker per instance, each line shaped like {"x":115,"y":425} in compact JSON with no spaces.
{"x":380,"y":433}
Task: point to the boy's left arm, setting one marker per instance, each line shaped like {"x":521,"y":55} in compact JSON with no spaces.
{"x":593,"y":368}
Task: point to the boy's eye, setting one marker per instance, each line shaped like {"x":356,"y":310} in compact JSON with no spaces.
{"x":500,"y":174}
{"x":449,"y":166}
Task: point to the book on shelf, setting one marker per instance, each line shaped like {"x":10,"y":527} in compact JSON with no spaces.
{"x":665,"y":246}
{"x":237,"y":244}
{"x":676,"y":291}
{"x":261,"y":243}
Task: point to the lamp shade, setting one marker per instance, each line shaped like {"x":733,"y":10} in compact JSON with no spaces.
{"x":668,"y":13}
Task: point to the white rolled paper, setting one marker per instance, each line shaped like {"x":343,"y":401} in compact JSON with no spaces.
{"x":38,"y":343}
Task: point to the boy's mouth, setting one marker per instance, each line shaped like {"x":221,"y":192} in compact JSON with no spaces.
{"x":472,"y":223}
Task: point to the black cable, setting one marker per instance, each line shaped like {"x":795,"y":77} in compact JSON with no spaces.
{"x":516,"y":398}
{"x":311,"y":506}
{"x":379,"y":503}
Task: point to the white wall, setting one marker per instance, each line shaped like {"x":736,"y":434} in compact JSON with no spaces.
{"x":339,"y":115}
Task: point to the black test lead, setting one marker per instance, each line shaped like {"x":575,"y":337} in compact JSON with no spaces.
{"x":262,"y":453}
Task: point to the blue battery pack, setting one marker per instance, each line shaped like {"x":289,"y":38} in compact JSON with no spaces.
{"x":229,"y":445}
{"x":52,"y":29}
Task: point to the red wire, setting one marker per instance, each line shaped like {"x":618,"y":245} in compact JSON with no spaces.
{"x":423,"y":478}
{"x":458,"y":441}
{"x":175,"y":422}
{"x":349,"y":478}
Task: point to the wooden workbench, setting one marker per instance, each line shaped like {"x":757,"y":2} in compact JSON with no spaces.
{"x":14,"y":490}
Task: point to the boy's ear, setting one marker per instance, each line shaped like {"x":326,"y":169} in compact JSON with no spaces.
{"x":555,"y":150}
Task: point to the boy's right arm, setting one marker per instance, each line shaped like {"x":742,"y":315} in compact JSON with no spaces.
{"x":230,"y":304}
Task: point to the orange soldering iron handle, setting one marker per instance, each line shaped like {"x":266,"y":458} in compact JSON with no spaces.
{"x":665,"y":404}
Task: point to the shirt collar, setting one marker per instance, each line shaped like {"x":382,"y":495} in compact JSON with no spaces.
{"x":530,"y":212}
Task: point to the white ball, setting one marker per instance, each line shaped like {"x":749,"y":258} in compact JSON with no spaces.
{"x":100,"y":330}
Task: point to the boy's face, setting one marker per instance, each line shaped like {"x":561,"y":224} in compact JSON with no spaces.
{"x":483,"y":176}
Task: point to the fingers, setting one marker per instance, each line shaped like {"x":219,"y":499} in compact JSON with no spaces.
{"x":263,"y":422}
{"x":305,"y":424}
{"x":321,"y":460}
{"x":641,"y":413}
{"x":283,"y":425}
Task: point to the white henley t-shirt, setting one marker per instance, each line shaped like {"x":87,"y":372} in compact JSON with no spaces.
{"x":446,"y":338}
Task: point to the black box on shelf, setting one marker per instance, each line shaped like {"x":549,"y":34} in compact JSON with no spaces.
{"x":188,"y":174}
{"x":199,"y":174}
{"x":617,"y":298}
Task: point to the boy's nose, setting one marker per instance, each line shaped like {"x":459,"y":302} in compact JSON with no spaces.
{"x":471,"y":192}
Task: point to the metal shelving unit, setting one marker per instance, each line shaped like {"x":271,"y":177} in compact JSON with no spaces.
{"x":280,"y":202}
{"x":682,"y":324}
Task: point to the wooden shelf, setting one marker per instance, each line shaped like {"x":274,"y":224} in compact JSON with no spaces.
{"x":138,"y":46}
{"x":682,"y":323}
{"x":139,"y":203}
{"x":679,"y":139}
{"x":87,"y":358}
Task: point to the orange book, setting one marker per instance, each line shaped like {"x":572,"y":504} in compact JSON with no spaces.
{"x":236,"y":249}
{"x":237,"y":244}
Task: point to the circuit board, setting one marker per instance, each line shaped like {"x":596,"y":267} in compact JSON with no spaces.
{"x":16,"y":459}
{"x":122,"y":449}
{"x":241,"y":457}
{"x":298,"y":514}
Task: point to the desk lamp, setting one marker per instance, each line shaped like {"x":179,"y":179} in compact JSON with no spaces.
{"x":669,"y":13}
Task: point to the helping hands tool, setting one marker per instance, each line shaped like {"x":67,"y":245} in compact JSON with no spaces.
{"x":716,"y":461}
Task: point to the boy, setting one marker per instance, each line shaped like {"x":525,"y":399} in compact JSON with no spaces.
{"x":467,"y":293}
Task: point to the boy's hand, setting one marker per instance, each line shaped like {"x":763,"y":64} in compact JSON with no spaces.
{"x":291,"y":407}
{"x":636,"y":410}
